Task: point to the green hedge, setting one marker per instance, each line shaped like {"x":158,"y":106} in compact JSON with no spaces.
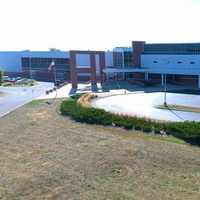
{"x":1,"y":76}
{"x":188,"y":131}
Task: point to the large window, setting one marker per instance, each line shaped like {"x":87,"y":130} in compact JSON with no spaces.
{"x":178,"y":48}
{"x":124,"y":59}
{"x":128,"y":59}
{"x":42,"y":64}
{"x":44,"y":60}
{"x":118,"y":59}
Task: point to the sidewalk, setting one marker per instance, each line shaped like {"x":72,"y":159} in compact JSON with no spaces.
{"x":108,"y":89}
{"x":63,"y":92}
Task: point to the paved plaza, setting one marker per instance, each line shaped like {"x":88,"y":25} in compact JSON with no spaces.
{"x":133,"y":100}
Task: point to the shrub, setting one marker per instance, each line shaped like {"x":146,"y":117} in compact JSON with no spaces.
{"x":185,"y":130}
{"x":7,"y":84}
{"x":84,"y":100}
{"x":188,"y":131}
{"x":99,"y":116}
{"x":1,"y":76}
{"x":76,"y":96}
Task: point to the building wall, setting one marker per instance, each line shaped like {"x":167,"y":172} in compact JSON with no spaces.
{"x":137,"y":51}
{"x":88,"y":65}
{"x":178,"y":64}
{"x":96,"y":61}
{"x":10,"y":61}
{"x":109,"y":59}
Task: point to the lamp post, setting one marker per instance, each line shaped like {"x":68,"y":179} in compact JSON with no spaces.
{"x":30,"y":67}
{"x":115,"y":74}
{"x":165,"y":84}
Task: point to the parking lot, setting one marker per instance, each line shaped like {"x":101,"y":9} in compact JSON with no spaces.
{"x":15,"y":79}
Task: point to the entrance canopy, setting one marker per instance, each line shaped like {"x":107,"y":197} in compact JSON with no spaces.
{"x":118,"y":70}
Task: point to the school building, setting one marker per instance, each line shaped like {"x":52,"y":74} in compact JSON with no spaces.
{"x":178,"y":62}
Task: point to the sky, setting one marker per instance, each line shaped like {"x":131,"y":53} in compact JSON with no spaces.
{"x":38,"y":25}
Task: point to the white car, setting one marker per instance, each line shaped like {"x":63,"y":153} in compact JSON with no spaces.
{"x":23,"y":80}
{"x":6,"y":78}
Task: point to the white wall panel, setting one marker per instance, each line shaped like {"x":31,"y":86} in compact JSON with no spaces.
{"x":178,"y":64}
{"x":109,"y":59}
{"x":10,"y":61}
{"x":83,"y":60}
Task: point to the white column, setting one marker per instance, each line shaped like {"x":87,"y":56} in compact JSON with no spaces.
{"x":147,"y":76}
{"x":123,"y":59}
{"x":163,"y":79}
{"x":123,"y":75}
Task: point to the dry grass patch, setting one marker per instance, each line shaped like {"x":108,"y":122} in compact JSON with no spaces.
{"x":84,"y":100}
{"x":57,"y":158}
{"x":180,"y":107}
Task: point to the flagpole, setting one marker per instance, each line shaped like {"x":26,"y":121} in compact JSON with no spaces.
{"x":55,"y":76}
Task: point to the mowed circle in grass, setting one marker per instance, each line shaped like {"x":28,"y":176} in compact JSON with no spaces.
{"x":113,"y":168}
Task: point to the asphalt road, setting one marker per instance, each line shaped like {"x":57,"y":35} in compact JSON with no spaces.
{"x":18,"y":96}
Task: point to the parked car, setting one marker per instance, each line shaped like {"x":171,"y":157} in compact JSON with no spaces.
{"x":18,"y":78}
{"x":23,"y":80}
{"x":12,"y":80}
{"x":6,"y":78}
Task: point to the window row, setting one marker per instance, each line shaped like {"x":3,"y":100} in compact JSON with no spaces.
{"x":185,"y":48}
{"x":26,"y":61}
{"x":49,"y":60}
{"x":179,"y":62}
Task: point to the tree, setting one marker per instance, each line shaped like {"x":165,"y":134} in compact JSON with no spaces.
{"x":53,"y":49}
{"x":1,"y":76}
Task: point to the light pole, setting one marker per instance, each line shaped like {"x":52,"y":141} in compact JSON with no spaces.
{"x":30,"y":67}
{"x":165,"y":84}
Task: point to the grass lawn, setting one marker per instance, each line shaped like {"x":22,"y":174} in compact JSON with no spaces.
{"x":179,"y":107}
{"x":44,"y":155}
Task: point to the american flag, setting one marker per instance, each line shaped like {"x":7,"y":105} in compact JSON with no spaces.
{"x":51,"y":65}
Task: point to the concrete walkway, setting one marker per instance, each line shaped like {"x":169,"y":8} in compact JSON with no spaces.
{"x":144,"y":105}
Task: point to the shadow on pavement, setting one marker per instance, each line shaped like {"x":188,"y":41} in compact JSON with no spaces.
{"x":186,"y":91}
{"x":175,"y":113}
{"x":107,"y":86}
{"x":73,"y":91}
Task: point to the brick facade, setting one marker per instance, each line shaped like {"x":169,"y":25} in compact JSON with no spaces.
{"x":92,"y":70}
